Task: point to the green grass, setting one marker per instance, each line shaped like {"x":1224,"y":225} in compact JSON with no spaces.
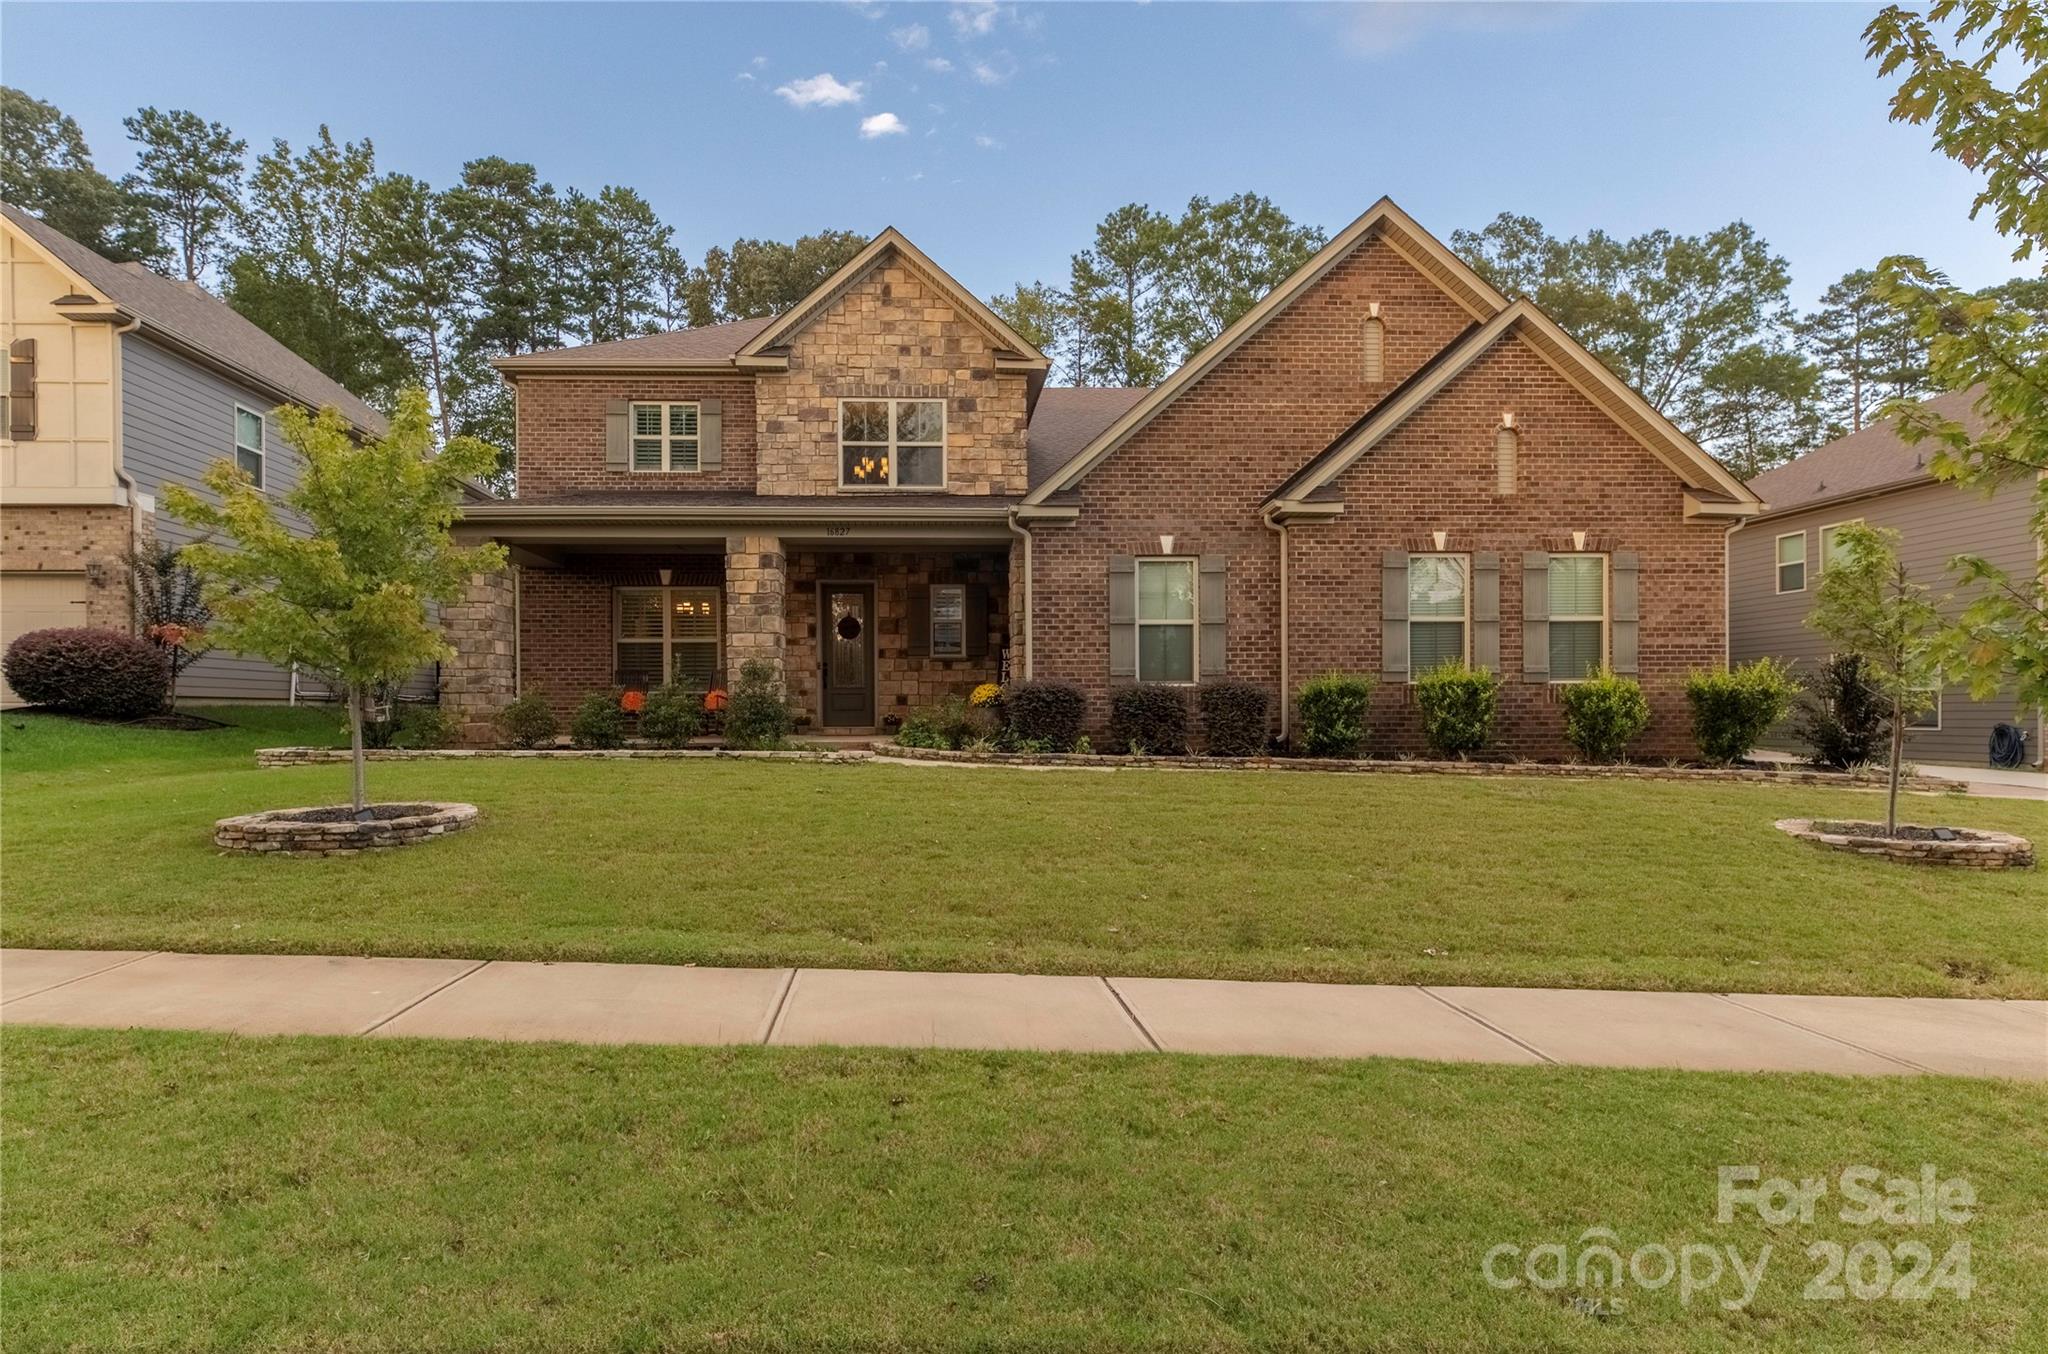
{"x":171,"y":1191}
{"x":1345,"y":878}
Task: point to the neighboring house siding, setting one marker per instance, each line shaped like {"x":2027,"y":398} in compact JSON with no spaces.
{"x":1935,"y":523}
{"x":176,"y":420}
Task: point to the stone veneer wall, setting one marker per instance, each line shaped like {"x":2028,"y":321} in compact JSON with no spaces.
{"x":755,"y":582}
{"x":891,"y":334}
{"x":74,"y":539}
{"x":481,"y":678}
{"x":902,"y":682}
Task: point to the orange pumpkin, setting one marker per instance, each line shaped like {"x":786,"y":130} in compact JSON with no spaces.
{"x":633,"y":702}
{"x":714,"y":699}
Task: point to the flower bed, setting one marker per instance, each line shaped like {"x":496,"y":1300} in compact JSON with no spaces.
{"x":275,"y":757}
{"x":1971,"y":848}
{"x":332,"y":829}
{"x":1771,"y":775}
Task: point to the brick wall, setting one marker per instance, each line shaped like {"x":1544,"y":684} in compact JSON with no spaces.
{"x":565,"y":618}
{"x":71,"y":539}
{"x":891,"y":334}
{"x":903,"y":682}
{"x":561,"y":432}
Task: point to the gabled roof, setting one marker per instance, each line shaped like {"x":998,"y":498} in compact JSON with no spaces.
{"x":1872,"y":458}
{"x":1069,"y":417}
{"x":1007,"y":341}
{"x":192,"y":321}
{"x":1384,"y":219}
{"x":1712,"y":490}
{"x":714,"y":345}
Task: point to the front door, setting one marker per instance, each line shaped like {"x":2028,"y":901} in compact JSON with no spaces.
{"x":846,"y":637}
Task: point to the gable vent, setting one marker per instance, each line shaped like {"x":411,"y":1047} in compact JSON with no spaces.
{"x":1373,"y":359}
{"x":1507,"y":444}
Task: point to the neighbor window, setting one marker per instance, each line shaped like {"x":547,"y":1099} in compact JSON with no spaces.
{"x":892,"y":443}
{"x":1166,"y":620}
{"x":1831,"y":552}
{"x":1792,"y":562}
{"x":249,"y":444}
{"x":1929,"y":715}
{"x":949,"y":620}
{"x":665,"y":437}
{"x":668,"y":635}
{"x":1437,"y":611}
{"x":1578,"y":616}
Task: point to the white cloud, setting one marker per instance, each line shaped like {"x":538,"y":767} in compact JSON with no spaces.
{"x":747,"y":76}
{"x":937,"y":63}
{"x":758,"y":62}
{"x":993,"y":75}
{"x":987,"y":142}
{"x":1376,"y":30}
{"x":976,"y":19}
{"x":912,"y":37}
{"x":881,"y":124}
{"x":819,"y":91}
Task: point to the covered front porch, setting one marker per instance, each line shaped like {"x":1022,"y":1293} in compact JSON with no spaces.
{"x":865,"y":618}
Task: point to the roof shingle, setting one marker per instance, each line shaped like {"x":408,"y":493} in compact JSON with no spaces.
{"x":1874,"y":457}
{"x":1068,"y":418}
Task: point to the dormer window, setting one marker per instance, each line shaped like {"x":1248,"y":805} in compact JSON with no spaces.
{"x":892,"y":444}
{"x":665,"y":437}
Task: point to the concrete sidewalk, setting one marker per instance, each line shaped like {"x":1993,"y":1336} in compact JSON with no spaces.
{"x":654,"y":1003}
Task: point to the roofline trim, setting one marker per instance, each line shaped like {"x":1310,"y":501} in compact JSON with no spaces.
{"x":512,"y":368}
{"x":1772,"y":511}
{"x":173,"y":342}
{"x":512,"y":510}
{"x":1449,"y":271}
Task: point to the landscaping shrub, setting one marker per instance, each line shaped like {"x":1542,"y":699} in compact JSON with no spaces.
{"x":921,"y":730}
{"x":756,"y":715}
{"x":1732,"y":710}
{"x":1150,"y":717}
{"x":1333,"y":709}
{"x":1603,"y":715}
{"x":1045,"y":712}
{"x":528,"y":722}
{"x":1845,"y":719}
{"x":599,"y":721}
{"x":672,"y":715}
{"x":953,"y":723}
{"x":1233,"y":717}
{"x":423,"y":726}
{"x":105,"y":674}
{"x":1458,"y":705}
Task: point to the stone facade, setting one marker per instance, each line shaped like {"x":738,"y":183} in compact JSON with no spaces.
{"x":481,"y":677}
{"x":756,"y":582}
{"x":892,"y":334}
{"x":92,"y":541}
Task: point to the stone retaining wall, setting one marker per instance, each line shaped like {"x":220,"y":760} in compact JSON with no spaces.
{"x":275,"y":757}
{"x":1971,"y":848}
{"x":277,"y":831}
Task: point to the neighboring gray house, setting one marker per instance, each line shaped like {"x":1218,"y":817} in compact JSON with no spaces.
{"x":1776,"y":558}
{"x":122,"y":381}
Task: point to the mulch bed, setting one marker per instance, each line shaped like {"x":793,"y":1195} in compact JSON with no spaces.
{"x":342,"y":813}
{"x":178,"y":723}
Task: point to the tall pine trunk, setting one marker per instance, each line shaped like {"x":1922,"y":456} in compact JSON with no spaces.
{"x":355,"y":747}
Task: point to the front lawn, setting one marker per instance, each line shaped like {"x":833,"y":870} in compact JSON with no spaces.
{"x":172,"y":1192}
{"x":105,"y":841}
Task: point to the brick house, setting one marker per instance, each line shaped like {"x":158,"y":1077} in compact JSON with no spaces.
{"x":1383,"y":465}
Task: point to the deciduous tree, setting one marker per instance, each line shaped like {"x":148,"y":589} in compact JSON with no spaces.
{"x":46,"y":168}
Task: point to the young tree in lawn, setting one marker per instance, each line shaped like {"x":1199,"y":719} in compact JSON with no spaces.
{"x":170,"y":608}
{"x":1869,"y":606}
{"x":188,"y":176}
{"x":1996,"y":341}
{"x":350,"y":600}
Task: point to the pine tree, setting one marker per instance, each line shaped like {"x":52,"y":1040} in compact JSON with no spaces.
{"x":188,"y":176}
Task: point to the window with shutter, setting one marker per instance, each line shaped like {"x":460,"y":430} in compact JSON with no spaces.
{"x":1166,"y":618}
{"x":668,"y":635}
{"x":949,"y":620}
{"x":665,"y":438}
{"x":1439,"y":609}
{"x":1578,"y":616}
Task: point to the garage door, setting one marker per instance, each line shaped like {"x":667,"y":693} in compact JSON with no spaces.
{"x":37,"y":602}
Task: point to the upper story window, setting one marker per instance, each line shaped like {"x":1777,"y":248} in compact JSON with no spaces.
{"x":1578,"y":616}
{"x":1439,"y":607}
{"x":665,"y":437}
{"x":1792,"y":562}
{"x":249,"y":444}
{"x":1166,"y":615}
{"x":1831,"y":552}
{"x":892,"y":444}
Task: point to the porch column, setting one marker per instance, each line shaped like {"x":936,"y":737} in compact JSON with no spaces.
{"x":482,"y":677}
{"x":756,"y":577}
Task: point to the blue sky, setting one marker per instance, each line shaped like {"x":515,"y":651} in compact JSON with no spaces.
{"x":997,"y":134}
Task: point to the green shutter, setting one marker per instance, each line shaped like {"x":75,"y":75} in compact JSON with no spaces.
{"x":1486,"y":612}
{"x":618,"y":435}
{"x":1123,"y":616}
{"x":710,"y":434}
{"x":1536,"y":616}
{"x":1394,"y":616}
{"x":1214,"y":600}
{"x":1625,"y":568}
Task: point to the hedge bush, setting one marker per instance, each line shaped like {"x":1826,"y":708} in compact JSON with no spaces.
{"x":1150,"y":717}
{"x":756,"y":715}
{"x":1233,"y":717}
{"x":1458,"y":706}
{"x":1045,"y":712}
{"x":672,"y":715}
{"x":1603,"y":715}
{"x":1732,"y":710}
{"x":1845,"y":720}
{"x":423,"y":726}
{"x":528,"y":722}
{"x":599,"y":721}
{"x":104,"y":674}
{"x":1333,"y":709}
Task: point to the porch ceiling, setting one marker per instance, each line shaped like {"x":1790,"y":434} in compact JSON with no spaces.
{"x":589,"y":523}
